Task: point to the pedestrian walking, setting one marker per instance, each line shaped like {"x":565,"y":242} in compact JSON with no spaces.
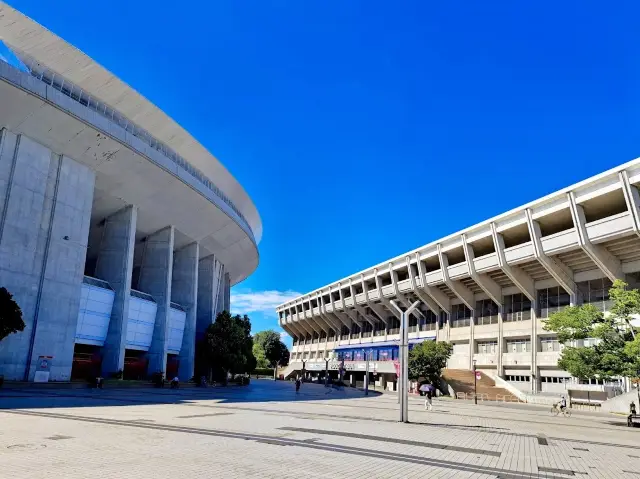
{"x":428,"y":402}
{"x":297,"y":385}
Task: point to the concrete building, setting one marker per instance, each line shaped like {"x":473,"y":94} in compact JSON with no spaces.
{"x":485,"y":289}
{"x":120,"y":234}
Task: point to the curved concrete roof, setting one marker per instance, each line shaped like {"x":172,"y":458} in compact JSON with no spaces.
{"x":22,"y":33}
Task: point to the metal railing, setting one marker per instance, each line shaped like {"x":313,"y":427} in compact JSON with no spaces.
{"x":68,"y":88}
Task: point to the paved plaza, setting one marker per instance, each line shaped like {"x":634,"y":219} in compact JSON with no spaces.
{"x":266,"y":430}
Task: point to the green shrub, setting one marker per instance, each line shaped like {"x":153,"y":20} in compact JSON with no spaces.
{"x":262,"y":372}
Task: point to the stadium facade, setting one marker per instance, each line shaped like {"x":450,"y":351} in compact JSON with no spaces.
{"x":485,"y":289}
{"x":120,"y":234}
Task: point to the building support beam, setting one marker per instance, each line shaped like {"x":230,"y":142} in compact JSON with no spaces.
{"x":115,"y":265}
{"x":488,"y":285}
{"x":426,"y":300}
{"x":608,"y":264}
{"x":401,"y":297}
{"x":559,"y":272}
{"x":521,"y":279}
{"x":381,"y":297}
{"x":156,"y":271}
{"x":632,"y":198}
{"x":184,"y":291}
{"x":359,"y":308}
{"x":459,"y":289}
{"x":438,"y":296}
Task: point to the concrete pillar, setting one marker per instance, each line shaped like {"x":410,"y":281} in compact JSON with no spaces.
{"x":499,"y":369}
{"x":43,"y":200}
{"x":155,"y":279}
{"x":184,"y":291}
{"x":210,"y":272}
{"x":115,"y":265}
{"x":220,"y":304}
{"x":471,"y":338}
{"x":59,"y":305}
{"x":535,"y":376}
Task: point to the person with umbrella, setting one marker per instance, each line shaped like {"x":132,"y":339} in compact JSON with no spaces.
{"x":428,"y":390}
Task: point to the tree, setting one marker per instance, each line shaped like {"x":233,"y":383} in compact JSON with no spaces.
{"x":226,"y":347}
{"x":270,"y":350}
{"x":428,"y":359}
{"x":10,"y":315}
{"x":259,"y":341}
{"x":615,"y":347}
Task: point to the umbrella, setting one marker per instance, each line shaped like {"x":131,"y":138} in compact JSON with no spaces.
{"x":427,"y":387}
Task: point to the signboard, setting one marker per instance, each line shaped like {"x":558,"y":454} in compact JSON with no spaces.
{"x":478,"y":375}
{"x":43,"y":369}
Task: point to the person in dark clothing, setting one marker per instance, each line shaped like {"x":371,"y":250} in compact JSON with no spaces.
{"x":297,"y":384}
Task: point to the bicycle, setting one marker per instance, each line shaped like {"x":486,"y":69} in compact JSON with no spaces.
{"x":555,"y":410}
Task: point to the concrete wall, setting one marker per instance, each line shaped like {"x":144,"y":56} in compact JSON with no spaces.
{"x":184,"y":291}
{"x":115,"y":265}
{"x":45,"y":208}
{"x":155,"y":279}
{"x":210,"y":273}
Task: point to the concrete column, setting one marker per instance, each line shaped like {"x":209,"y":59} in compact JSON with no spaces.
{"x":45,"y":207}
{"x":155,"y":279}
{"x":471,"y":338}
{"x":184,"y":291}
{"x":115,"y":265}
{"x":65,"y":256}
{"x":210,"y":272}
{"x":535,"y":376}
{"x":499,"y":370}
{"x":227,"y":292}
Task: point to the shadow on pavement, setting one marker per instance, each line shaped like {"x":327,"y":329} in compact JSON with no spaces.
{"x":258,"y":391}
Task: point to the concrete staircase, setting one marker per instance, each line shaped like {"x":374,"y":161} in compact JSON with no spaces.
{"x":462,"y":381}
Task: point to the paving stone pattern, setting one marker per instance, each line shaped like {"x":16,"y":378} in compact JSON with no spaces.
{"x":266,"y":430}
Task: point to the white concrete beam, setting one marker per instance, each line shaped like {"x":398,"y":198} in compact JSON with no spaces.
{"x":359,"y":308}
{"x":488,"y":285}
{"x":373,"y":306}
{"x":351,"y":314}
{"x":459,"y":289}
{"x":608,"y":264}
{"x":559,"y":272}
{"x":521,"y":279}
{"x":632,"y":198}
{"x":337,"y":326}
{"x":426,"y":300}
{"x":438,"y":296}
{"x":401,"y":297}
{"x":384,"y":300}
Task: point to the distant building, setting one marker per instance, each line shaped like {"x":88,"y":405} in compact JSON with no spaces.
{"x":120,"y":234}
{"x":485,"y":289}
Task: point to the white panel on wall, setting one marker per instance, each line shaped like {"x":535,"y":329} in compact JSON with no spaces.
{"x":142,"y":317}
{"x":177,"y":319}
{"x":94,"y":315}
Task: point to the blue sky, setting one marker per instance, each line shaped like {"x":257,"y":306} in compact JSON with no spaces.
{"x":363,"y":129}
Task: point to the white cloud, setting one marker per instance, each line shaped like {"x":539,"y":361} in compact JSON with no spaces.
{"x":283,"y":336}
{"x":264,"y":302}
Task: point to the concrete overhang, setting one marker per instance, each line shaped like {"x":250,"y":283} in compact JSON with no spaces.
{"x":24,"y":35}
{"x":128,"y":171}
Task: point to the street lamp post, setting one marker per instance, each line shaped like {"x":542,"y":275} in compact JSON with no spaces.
{"x":403,"y":381}
{"x":475,"y":384}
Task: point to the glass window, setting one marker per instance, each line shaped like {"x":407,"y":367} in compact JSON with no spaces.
{"x":460,"y":316}
{"x":519,"y":346}
{"x":552,"y":300}
{"x":517,"y":307}
{"x":488,"y":347}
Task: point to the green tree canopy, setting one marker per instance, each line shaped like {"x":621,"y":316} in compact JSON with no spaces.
{"x":10,"y":315}
{"x":269,"y":350}
{"x":227,"y":346}
{"x":428,"y":359}
{"x":615,"y":347}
